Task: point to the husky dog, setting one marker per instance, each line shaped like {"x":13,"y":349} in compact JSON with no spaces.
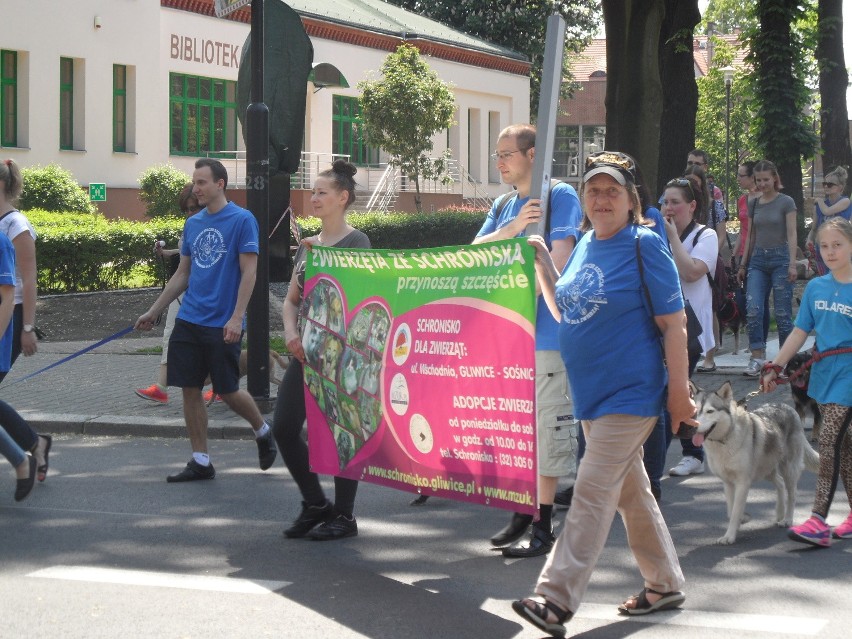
{"x":741,"y":447}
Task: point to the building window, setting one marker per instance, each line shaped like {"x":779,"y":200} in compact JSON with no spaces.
{"x":203,"y":115}
{"x":347,"y":131}
{"x":8,"y":98}
{"x":119,"y":107}
{"x":566,"y":151}
{"x":66,"y":103}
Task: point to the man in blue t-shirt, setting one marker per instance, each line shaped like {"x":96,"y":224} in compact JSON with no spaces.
{"x":556,"y":431}
{"x":218,"y":265}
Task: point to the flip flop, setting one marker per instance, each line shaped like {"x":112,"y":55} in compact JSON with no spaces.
{"x":42,"y":470}
{"x":537,"y":615}
{"x":706,"y":369}
{"x":641,"y":605}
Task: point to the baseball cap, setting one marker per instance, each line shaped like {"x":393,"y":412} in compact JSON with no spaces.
{"x":617,"y":165}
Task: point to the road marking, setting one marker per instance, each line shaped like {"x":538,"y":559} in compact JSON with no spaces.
{"x":161,"y":579}
{"x":775,"y":625}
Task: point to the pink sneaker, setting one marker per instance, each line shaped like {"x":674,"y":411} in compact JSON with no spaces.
{"x":844,"y":530}
{"x":154,"y":393}
{"x":814,"y":531}
{"x":209,"y":397}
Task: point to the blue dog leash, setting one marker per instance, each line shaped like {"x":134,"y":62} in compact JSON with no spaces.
{"x":106,"y":340}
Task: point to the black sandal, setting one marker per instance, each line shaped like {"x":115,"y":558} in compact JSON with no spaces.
{"x":641,"y":605}
{"x":42,"y":470}
{"x":537,"y":615}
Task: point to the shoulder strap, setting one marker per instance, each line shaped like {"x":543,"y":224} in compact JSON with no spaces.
{"x":649,"y":304}
{"x":504,"y":200}
{"x":549,"y":206}
{"x":7,"y":213}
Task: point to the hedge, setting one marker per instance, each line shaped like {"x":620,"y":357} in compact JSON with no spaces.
{"x":81,"y":252}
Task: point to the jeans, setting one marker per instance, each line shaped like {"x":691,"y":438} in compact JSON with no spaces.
{"x":767,"y":269}
{"x":10,"y":450}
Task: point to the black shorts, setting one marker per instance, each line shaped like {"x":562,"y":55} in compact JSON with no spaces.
{"x":198,"y":351}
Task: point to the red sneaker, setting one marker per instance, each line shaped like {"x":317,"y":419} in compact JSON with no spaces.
{"x":209,"y":397}
{"x":154,"y":393}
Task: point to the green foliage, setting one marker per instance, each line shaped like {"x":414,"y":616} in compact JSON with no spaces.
{"x":404,"y":109}
{"x":451,"y":227}
{"x":91,"y":253}
{"x":519,"y":25}
{"x":54,"y":189}
{"x":728,"y":15}
{"x":160,"y":187}
{"x":710,"y":118}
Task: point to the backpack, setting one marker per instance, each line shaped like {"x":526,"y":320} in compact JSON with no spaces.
{"x":504,"y":200}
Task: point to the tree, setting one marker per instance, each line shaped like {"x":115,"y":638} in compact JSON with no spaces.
{"x":634,"y":102}
{"x":403,"y":110}
{"x":727,"y":16}
{"x":777,"y":56}
{"x":519,"y":25}
{"x":833,"y":79}
{"x":709,"y":135}
{"x":680,"y":92}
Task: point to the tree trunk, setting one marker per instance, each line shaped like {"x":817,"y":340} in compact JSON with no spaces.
{"x":834,"y":119}
{"x":417,"y":200}
{"x":679,"y":91}
{"x":785,"y":136}
{"x":634,"y":100}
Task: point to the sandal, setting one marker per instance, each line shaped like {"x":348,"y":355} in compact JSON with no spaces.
{"x":538,"y":614}
{"x":641,"y":605}
{"x":42,"y":470}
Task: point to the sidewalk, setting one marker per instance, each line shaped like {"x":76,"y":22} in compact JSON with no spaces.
{"x":93,"y":393}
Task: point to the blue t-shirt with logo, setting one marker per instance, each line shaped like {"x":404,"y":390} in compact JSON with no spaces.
{"x":827,"y":309}
{"x":214,"y":242}
{"x":565,"y":218}
{"x":7,"y":277}
{"x":607,"y":337}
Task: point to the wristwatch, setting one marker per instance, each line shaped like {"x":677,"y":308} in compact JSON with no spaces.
{"x":28,"y":328}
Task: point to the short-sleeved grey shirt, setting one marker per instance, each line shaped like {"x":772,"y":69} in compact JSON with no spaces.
{"x":769,"y":221}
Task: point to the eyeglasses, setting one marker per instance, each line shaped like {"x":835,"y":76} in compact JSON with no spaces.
{"x":610,"y":192}
{"x":828,"y":185}
{"x":505,"y":155}
{"x":679,"y":182}
{"x":697,"y":163}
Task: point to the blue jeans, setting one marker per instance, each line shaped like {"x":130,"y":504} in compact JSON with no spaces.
{"x":767,"y":269}
{"x":10,"y":450}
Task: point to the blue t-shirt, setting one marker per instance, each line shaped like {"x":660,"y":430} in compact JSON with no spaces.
{"x":827,"y":309}
{"x":565,"y":218}
{"x":845,"y":214}
{"x":7,"y":277}
{"x":214,"y":242}
{"x":656,"y":217}
{"x":607,"y":337}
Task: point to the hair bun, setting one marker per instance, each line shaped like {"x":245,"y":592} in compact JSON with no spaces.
{"x":344,"y":167}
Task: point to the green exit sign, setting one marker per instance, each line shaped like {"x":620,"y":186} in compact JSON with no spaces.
{"x":97,"y":192}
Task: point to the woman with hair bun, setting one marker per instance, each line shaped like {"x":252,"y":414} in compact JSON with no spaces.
{"x":320,"y":519}
{"x":834,"y":205}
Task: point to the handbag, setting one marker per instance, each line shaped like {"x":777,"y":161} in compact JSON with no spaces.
{"x":693,"y":326}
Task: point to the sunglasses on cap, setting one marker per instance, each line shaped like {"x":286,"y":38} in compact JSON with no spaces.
{"x":617,"y":165}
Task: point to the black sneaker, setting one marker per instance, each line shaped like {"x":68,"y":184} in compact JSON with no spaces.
{"x":309,"y":518}
{"x":336,"y":528}
{"x":563,"y":497}
{"x":193,"y":472}
{"x":266,"y":451}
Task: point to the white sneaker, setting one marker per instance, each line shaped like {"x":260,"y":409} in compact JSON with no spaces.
{"x":688,"y":465}
{"x":754,"y":367}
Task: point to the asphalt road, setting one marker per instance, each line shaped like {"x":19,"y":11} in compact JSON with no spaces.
{"x":105,"y":548}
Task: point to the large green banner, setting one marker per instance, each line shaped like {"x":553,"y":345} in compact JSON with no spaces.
{"x":420,"y":369}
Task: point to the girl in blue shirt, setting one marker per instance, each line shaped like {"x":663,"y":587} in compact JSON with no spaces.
{"x":826,"y":309}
